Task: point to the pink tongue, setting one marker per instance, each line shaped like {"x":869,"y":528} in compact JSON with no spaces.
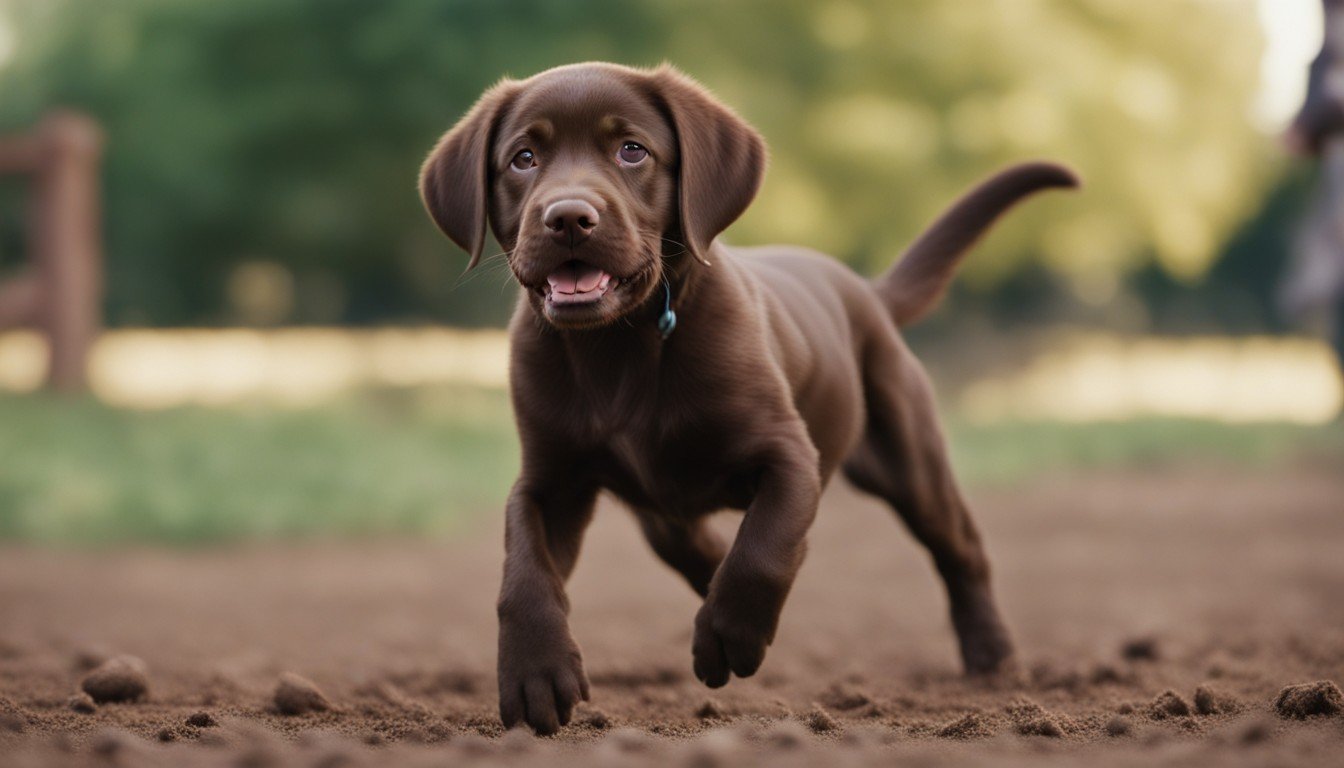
{"x":575,"y":277}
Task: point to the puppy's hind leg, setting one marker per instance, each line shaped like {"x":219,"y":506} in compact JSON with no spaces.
{"x":902,"y":459}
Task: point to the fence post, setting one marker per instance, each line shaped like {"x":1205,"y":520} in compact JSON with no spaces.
{"x":66,"y":230}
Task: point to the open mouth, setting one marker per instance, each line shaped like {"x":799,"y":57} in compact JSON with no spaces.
{"x":576,"y":282}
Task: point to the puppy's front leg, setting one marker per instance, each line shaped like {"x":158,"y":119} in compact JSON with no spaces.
{"x":541,"y":674}
{"x":740,"y":614}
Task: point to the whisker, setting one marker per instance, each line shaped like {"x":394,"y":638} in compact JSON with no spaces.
{"x":670,"y":241}
{"x":671,"y":268}
{"x":485,"y":265}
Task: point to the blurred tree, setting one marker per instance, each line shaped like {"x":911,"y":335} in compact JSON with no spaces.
{"x":278,"y":140}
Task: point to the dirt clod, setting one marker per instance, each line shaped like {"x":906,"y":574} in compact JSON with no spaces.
{"x":123,"y":678}
{"x":91,"y":657}
{"x":711,"y":709}
{"x":818,"y":720}
{"x":384,"y":691}
{"x":295,"y":695}
{"x":786,"y":734}
{"x":1105,"y":674}
{"x":1040,"y":726}
{"x":873,"y":711}
{"x":1168,"y":704}
{"x":82,"y":703}
{"x":1119,"y":726}
{"x":258,"y":756}
{"x":844,"y":697}
{"x":1141,"y":649}
{"x":1049,"y":676}
{"x":972,"y":725}
{"x":1321,"y":698}
{"x":1211,"y":701}
{"x":334,"y":759}
{"x":202,"y":720}
{"x":714,"y":749}
{"x":594,"y":718}
{"x":1256,"y":730}
{"x":110,"y":742}
{"x":11,"y":723}
{"x":10,"y":649}
{"x":1031,"y":719}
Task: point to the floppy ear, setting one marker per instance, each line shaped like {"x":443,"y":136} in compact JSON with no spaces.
{"x":722,"y":159}
{"x":455,"y":178}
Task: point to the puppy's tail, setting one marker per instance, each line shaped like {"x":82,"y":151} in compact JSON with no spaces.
{"x":917,"y":282}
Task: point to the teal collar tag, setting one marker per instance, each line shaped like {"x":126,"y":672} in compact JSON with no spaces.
{"x":667,"y":321}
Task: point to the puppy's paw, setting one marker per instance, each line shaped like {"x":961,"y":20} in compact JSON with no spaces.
{"x":986,"y":647}
{"x":727,"y":642}
{"x":986,"y":650}
{"x":540,"y":686}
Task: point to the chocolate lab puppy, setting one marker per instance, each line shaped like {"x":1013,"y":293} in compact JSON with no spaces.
{"x":686,"y":376}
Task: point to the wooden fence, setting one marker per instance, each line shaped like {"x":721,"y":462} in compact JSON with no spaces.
{"x":59,"y":289}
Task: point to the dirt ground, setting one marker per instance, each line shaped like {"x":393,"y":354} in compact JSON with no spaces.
{"x":1219,"y":586}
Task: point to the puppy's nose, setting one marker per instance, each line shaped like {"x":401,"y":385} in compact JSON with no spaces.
{"x":570,"y":221}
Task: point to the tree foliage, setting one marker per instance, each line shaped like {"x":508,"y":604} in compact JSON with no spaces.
{"x":276,"y":142}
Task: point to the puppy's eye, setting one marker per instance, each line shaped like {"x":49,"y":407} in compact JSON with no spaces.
{"x":524,"y":160}
{"x":632,"y":153}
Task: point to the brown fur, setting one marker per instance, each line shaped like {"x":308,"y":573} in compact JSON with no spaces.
{"x":785,"y":366}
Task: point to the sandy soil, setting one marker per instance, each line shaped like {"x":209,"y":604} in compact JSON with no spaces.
{"x":1120,"y":587}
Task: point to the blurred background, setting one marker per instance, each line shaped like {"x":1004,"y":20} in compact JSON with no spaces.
{"x":285,"y":345}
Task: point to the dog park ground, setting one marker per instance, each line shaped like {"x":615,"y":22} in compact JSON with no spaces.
{"x":1165,"y":581}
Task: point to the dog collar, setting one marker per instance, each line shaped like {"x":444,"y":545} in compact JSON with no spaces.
{"x":667,"y":321}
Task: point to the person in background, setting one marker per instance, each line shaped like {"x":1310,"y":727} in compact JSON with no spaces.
{"x":1315,"y":280}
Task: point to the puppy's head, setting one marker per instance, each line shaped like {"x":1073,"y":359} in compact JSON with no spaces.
{"x":589,"y":175}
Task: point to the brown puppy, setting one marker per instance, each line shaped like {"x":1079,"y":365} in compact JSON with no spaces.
{"x":607,"y":186}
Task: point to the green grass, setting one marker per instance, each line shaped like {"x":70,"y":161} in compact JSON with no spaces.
{"x":1014,"y":452}
{"x":78,"y":471}
{"x":414,"y":462}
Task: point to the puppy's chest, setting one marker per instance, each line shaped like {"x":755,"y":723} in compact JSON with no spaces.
{"x":680,"y":473}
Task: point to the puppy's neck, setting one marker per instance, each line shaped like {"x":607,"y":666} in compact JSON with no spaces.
{"x":682,"y":274}
{"x":638,"y":333}
{"x":618,"y":368}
